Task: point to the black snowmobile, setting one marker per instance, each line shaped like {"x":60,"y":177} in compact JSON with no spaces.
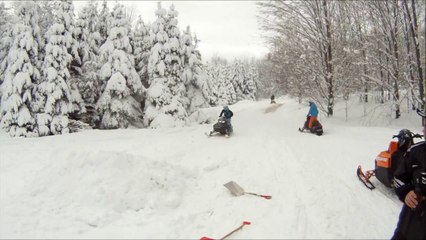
{"x":316,"y":127}
{"x":221,"y":127}
{"x":386,"y":162}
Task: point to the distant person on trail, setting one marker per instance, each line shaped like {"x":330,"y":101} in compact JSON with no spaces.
{"x":311,"y":116}
{"x":273,"y":99}
{"x":410,"y":186}
{"x":228,"y":114}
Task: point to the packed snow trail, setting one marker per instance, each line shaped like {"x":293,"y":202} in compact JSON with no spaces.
{"x":311,"y":190}
{"x":168,"y":183}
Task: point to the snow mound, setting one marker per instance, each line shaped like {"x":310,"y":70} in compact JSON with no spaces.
{"x":100,"y":186}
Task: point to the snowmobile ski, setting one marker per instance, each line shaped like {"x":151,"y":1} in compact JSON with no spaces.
{"x":211,"y":134}
{"x":365,"y":179}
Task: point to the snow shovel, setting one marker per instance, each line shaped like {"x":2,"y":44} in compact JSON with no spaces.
{"x":229,"y":234}
{"x":238,"y":191}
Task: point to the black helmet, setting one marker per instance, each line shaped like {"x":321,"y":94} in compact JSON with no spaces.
{"x":421,"y":113}
{"x":405,"y":139}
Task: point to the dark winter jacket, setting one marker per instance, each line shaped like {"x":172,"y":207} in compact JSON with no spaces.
{"x":226,"y":113}
{"x":412,"y":223}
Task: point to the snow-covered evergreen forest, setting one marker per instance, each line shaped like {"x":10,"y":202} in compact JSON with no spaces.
{"x":62,"y":70}
{"x":105,"y":67}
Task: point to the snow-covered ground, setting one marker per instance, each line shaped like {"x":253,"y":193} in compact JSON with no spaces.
{"x":168,"y":183}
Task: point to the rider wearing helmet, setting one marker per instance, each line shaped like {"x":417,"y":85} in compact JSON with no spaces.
{"x":227,"y":113}
{"x":312,"y":114}
{"x":310,"y":117}
{"x":405,"y":140}
{"x":410,"y":186}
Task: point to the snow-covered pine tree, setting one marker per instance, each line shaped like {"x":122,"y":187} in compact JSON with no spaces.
{"x":6,"y":27}
{"x":227,"y":94}
{"x":65,"y":11}
{"x":158,"y":94}
{"x":120,"y":102}
{"x":174,"y":69}
{"x":164,"y":106}
{"x":251,"y":76}
{"x":89,"y":40}
{"x":237,"y":78}
{"x":142,"y":44}
{"x":174,"y":56}
{"x":47,"y":15}
{"x":104,"y":23}
{"x":212,"y":83}
{"x":221,"y":88}
{"x":22,"y":73}
{"x":194,"y":75}
{"x":86,"y":33}
{"x":47,"y":18}
{"x":244,"y":77}
{"x":53,"y":94}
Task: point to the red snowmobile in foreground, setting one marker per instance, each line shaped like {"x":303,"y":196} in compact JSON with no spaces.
{"x":387,"y":161}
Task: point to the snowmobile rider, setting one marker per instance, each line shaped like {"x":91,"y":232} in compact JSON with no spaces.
{"x":273,"y":99}
{"x":410,"y":186}
{"x":405,"y":140}
{"x":311,"y":116}
{"x":227,"y":113}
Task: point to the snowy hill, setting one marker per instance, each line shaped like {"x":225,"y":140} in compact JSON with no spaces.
{"x":168,"y":183}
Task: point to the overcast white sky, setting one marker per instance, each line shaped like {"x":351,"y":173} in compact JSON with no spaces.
{"x":228,"y":29}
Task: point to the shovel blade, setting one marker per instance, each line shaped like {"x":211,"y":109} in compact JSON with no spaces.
{"x":234,"y":188}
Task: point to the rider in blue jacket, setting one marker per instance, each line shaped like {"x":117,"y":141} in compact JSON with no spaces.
{"x":313,"y":110}
{"x":311,"y":116}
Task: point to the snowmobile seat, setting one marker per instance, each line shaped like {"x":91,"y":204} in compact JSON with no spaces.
{"x":393,"y":146}
{"x":383,"y":168}
{"x":316,"y":128}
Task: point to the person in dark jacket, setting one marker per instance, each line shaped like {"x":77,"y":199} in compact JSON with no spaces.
{"x":405,"y":141}
{"x":273,"y":99}
{"x":228,"y":114}
{"x":410,"y":186}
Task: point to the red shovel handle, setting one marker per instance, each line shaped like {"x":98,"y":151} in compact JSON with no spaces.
{"x":229,"y":234}
{"x":266,"y":196}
